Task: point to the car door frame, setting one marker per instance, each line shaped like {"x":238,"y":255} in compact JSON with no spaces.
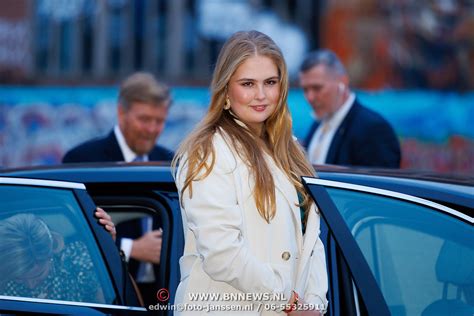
{"x":362,"y":276}
{"x":106,"y":248}
{"x":158,"y":197}
{"x":358,"y":267}
{"x":115,"y":263}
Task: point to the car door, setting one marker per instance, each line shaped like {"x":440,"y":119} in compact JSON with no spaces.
{"x":137,"y":200}
{"x":55,"y":257}
{"x":393,"y":253}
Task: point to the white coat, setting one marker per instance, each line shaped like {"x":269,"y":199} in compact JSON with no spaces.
{"x":230,"y":249}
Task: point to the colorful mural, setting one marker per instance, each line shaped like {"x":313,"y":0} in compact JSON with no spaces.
{"x":38,"y":125}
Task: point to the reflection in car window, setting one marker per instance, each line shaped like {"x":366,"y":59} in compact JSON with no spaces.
{"x":422,"y":259}
{"x":47,"y":248}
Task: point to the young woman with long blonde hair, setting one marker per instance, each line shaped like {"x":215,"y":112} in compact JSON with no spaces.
{"x":250,"y":227}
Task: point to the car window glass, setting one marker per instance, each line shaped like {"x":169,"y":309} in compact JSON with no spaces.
{"x":422,"y":259}
{"x":47,"y":248}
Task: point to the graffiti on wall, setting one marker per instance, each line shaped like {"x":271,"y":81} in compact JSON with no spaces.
{"x":38,"y":125}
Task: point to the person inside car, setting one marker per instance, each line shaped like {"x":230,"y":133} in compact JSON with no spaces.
{"x":37,"y":263}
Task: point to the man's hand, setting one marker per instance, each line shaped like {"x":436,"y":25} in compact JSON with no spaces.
{"x":148,"y":247}
{"x":106,"y":221}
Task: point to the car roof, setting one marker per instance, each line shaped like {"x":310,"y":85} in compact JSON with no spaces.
{"x":97,"y":172}
{"x":448,"y":189}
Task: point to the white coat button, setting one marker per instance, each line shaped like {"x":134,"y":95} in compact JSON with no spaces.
{"x":285,"y":255}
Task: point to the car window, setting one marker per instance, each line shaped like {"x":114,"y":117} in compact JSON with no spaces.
{"x":47,"y":248}
{"x":422,"y":259}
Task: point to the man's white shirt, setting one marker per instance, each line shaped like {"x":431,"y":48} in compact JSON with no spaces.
{"x":128,"y":154}
{"x":321,"y":141}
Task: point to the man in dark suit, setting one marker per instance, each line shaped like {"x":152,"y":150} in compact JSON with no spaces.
{"x":107,"y":148}
{"x":142,"y":110}
{"x":346,"y":132}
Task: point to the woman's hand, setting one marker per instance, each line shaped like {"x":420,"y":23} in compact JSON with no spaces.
{"x":106,"y":221}
{"x":299,"y":307}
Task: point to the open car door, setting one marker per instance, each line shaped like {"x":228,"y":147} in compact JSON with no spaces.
{"x":56,"y":258}
{"x":390,"y":253}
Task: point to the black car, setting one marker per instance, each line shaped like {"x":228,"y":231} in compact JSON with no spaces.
{"x":397,"y":242}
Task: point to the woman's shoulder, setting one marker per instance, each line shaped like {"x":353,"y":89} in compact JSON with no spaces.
{"x":221,"y":138}
{"x":222,"y":152}
{"x":76,"y":254}
{"x":222,"y":143}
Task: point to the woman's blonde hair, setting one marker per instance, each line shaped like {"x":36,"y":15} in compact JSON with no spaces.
{"x":26,"y":242}
{"x":277,"y":134}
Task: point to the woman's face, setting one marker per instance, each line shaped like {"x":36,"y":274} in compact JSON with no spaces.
{"x":254,"y":91}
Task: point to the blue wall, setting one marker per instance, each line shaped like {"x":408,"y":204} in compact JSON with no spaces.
{"x":38,"y":124}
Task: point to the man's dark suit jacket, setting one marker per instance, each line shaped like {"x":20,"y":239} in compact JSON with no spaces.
{"x":107,"y":149}
{"x":133,"y":229}
{"x":364,"y":138}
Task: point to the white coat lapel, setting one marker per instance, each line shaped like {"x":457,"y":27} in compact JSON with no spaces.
{"x":284,"y":185}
